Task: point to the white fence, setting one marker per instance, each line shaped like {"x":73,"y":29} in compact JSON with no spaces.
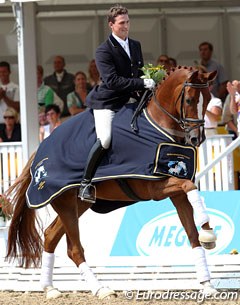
{"x":11,"y":163}
{"x":128,"y":273}
{"x":220,"y":175}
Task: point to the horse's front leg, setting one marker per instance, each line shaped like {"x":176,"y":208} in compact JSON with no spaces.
{"x":185,"y":213}
{"x":172,"y":186}
{"x":207,"y":237}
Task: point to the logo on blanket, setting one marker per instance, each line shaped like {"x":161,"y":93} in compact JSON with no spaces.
{"x":40,"y":174}
{"x":173,"y":159}
{"x":177,"y":168}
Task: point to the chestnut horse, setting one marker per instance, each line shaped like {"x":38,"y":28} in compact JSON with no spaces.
{"x":176,"y":108}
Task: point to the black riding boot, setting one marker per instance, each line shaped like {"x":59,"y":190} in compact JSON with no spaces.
{"x":87,"y":191}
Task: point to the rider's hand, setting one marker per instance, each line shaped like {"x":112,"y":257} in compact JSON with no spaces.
{"x":149,"y":83}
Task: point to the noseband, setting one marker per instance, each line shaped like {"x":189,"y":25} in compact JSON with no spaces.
{"x":187,"y":124}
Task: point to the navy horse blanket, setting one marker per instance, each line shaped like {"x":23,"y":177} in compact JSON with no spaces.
{"x":148,"y":153}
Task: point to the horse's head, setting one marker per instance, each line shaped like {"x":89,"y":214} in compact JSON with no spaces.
{"x":193,"y":106}
{"x":182,"y":99}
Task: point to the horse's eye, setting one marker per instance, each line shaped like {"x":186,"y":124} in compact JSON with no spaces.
{"x":188,"y":101}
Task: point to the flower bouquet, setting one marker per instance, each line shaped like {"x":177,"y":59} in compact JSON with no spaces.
{"x":157,"y":73}
{"x":6,"y":208}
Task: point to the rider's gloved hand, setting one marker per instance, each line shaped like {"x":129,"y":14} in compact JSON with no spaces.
{"x":149,"y":83}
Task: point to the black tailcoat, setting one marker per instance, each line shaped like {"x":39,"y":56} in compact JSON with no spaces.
{"x":119,"y":75}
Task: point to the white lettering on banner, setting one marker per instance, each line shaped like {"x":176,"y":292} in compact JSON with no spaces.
{"x":168,"y":236}
{"x":165,"y":232}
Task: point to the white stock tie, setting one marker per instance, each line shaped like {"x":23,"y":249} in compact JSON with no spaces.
{"x":126,"y":48}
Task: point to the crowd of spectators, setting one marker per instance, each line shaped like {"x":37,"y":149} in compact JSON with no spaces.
{"x":68,"y":93}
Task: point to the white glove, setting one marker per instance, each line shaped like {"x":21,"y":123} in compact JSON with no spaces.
{"x":149,"y":83}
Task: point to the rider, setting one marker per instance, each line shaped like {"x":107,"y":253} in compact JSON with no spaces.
{"x":118,"y":60}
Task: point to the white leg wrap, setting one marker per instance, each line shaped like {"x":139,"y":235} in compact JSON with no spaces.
{"x":90,"y":278}
{"x":200,"y":214}
{"x":202,"y":271}
{"x":47,"y":269}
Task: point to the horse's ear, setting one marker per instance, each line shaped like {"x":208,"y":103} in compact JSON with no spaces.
{"x":212,"y":76}
{"x":193,"y":77}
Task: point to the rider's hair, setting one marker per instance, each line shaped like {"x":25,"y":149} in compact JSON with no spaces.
{"x":115,"y":11}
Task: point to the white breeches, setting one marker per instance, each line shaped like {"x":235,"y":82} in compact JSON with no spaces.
{"x":103,"y":125}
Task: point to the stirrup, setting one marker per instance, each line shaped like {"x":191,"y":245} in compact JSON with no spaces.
{"x":87,"y":192}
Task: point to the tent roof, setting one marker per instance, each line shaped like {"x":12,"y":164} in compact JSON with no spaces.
{"x":63,"y":5}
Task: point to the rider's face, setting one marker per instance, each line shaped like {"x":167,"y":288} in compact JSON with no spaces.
{"x":121,"y":26}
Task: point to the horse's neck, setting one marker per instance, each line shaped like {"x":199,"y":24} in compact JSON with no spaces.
{"x":167,"y":98}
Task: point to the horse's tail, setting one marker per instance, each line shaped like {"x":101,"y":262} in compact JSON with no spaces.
{"x":24,"y":240}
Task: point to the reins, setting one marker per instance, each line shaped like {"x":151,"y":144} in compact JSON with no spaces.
{"x":183,"y":121}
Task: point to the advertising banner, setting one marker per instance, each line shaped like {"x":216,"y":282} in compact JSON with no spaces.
{"x":153,"y":228}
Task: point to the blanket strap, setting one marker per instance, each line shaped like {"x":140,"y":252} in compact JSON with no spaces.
{"x":125,"y":187}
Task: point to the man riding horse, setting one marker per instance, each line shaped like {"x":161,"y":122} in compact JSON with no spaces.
{"x":119,"y":60}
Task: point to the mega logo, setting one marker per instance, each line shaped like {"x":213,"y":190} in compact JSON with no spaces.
{"x":165,"y":232}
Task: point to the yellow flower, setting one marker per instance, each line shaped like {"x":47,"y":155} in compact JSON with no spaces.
{"x":157,"y":73}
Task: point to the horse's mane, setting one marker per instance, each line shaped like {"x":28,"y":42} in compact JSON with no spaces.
{"x":174,"y":70}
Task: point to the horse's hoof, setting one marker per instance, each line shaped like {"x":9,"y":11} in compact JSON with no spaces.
{"x":207,"y":239}
{"x":208,"y":246}
{"x":208,"y":289}
{"x":106,"y":293}
{"x":52,"y":293}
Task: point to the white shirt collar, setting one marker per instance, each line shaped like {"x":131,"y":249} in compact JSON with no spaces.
{"x":121,"y":41}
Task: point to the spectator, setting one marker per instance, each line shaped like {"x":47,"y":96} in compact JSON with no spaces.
{"x":94,"y":77}
{"x":45,"y":94}
{"x":9,"y":92}
{"x":234,"y":91}
{"x":42,"y":119}
{"x":172,"y":62}
{"x":163,"y":60}
{"x":229,"y":119}
{"x":11,"y":131}
{"x":212,"y":115}
{"x":219,"y":84}
{"x":76,"y":99}
{"x":53,"y":118}
{"x":61,"y":82}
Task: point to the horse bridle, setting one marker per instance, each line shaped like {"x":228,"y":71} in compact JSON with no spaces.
{"x":183,"y":121}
